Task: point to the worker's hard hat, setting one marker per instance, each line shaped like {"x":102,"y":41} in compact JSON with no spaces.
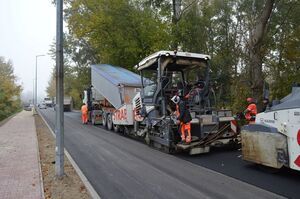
{"x":175,"y":99}
{"x":249,"y":99}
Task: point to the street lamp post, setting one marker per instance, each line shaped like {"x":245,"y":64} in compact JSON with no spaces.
{"x":32,"y":101}
{"x":35,"y":101}
{"x":59,"y":126}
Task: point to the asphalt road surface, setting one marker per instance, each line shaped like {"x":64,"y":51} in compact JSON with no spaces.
{"x":119,"y":167}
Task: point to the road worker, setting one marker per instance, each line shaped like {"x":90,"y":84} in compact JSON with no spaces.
{"x":84,"y":114}
{"x":184,"y":118}
{"x":251,"y":111}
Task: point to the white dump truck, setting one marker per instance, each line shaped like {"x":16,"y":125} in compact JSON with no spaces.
{"x":110,"y":97}
{"x":68,"y":103}
{"x":48,"y":102}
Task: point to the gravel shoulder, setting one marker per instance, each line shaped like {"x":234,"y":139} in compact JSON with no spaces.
{"x":70,"y":186}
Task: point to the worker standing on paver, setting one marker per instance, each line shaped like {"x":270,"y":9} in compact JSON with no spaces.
{"x":251,"y":111}
{"x":184,"y":118}
{"x":84,"y":114}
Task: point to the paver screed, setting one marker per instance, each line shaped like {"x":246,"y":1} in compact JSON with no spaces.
{"x":19,"y":161}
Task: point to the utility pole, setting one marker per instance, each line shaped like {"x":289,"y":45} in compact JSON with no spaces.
{"x":35,"y":101}
{"x":32,"y":102}
{"x":59,"y":126}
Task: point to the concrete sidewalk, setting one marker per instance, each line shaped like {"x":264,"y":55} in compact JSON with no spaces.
{"x":20,"y":175}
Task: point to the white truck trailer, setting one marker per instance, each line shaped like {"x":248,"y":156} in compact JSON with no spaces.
{"x":110,"y":97}
{"x":68,"y":103}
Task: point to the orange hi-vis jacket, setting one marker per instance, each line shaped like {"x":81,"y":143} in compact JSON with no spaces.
{"x":184,"y":127}
{"x":251,"y":112}
{"x":84,"y":109}
{"x":84,"y":114}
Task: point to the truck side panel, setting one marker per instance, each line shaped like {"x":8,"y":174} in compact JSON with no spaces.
{"x":124,"y":115}
{"x":110,"y":91}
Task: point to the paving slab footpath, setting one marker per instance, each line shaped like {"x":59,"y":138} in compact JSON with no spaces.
{"x":20,"y":175}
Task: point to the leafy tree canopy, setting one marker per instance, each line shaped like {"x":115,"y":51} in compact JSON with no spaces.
{"x":9,"y":89}
{"x":122,"y":32}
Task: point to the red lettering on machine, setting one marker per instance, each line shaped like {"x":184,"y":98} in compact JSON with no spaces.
{"x":121,"y":114}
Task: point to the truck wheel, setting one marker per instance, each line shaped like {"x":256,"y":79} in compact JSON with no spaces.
{"x":109,"y":122}
{"x":104,"y":119}
{"x":147,"y":139}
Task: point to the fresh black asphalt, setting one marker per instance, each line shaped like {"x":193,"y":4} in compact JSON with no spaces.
{"x":285,"y":182}
{"x":119,"y":167}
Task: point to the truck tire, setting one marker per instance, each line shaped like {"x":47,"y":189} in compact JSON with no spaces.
{"x":104,"y":119}
{"x":109,"y":122}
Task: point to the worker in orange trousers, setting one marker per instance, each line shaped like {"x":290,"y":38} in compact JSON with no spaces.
{"x":84,"y":114}
{"x":184,"y":118}
{"x":251,"y":111}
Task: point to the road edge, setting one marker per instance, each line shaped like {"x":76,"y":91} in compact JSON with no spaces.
{"x":39,"y":160}
{"x":83,"y":178}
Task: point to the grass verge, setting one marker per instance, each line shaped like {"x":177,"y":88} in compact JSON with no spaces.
{"x":70,"y":186}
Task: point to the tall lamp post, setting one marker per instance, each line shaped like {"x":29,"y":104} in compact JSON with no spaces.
{"x":32,"y":101}
{"x":36,"y":58}
{"x":59,"y":125}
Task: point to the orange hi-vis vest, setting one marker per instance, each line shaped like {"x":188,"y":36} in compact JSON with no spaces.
{"x":84,"y":109}
{"x":252,"y":111}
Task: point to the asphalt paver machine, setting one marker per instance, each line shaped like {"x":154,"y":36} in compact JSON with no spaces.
{"x":165,"y":74}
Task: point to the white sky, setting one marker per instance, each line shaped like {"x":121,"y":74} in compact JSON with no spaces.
{"x":27,"y":28}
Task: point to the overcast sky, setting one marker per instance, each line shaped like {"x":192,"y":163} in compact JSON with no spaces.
{"x":27,"y":29}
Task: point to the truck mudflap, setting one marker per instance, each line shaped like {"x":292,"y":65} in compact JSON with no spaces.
{"x":264,"y":145}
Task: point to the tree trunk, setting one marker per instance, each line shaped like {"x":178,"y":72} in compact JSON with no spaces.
{"x":175,"y":20}
{"x":255,"y":54}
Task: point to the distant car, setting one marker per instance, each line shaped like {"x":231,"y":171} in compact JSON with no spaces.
{"x":27,"y":107}
{"x":42,"y":106}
